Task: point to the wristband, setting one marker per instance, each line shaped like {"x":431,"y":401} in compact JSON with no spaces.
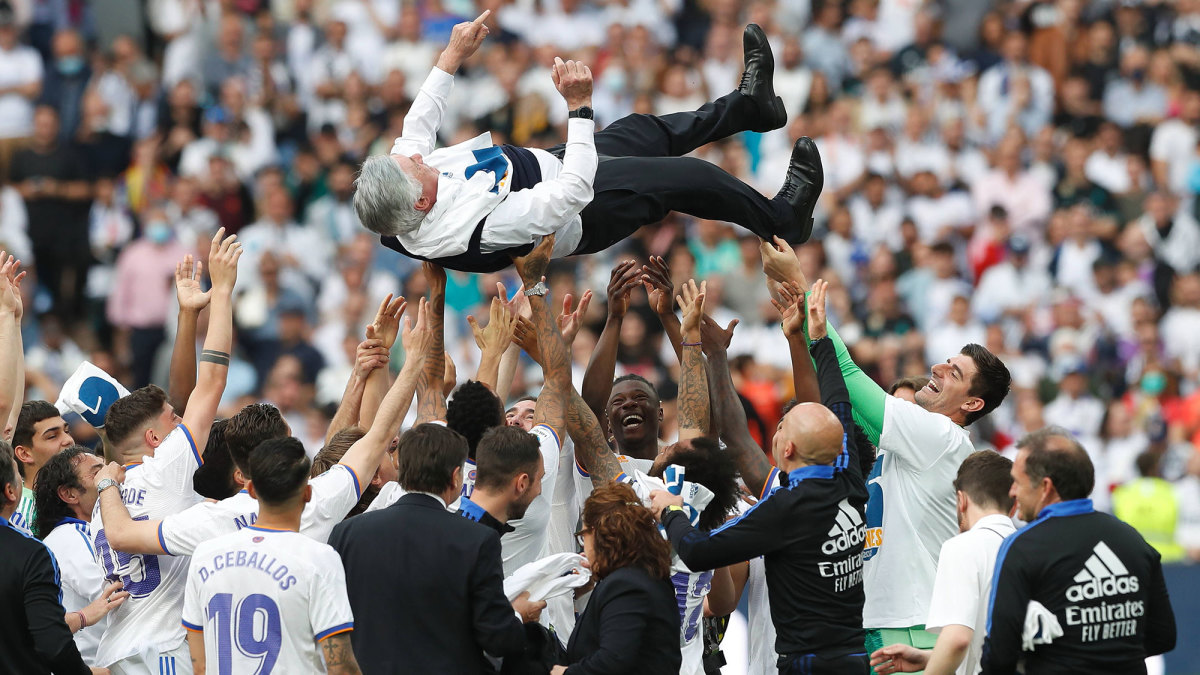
{"x":690,"y":344}
{"x":674,"y":507}
{"x":813,"y":343}
{"x":82,"y":620}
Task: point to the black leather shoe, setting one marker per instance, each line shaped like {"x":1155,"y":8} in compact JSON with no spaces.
{"x":800,"y":190}
{"x":758,"y":80}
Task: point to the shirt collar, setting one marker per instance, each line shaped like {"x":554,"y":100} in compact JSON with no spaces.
{"x":1071,"y":507}
{"x":472,"y":511}
{"x":810,"y":471}
{"x":993,"y":519}
{"x":430,"y":494}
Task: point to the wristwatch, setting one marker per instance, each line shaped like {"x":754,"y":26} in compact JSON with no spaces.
{"x":540,"y":288}
{"x":582,"y":112}
{"x":104,"y":484}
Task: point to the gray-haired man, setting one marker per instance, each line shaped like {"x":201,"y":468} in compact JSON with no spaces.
{"x":473,"y":206}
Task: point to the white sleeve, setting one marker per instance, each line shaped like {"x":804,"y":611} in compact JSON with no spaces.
{"x":1161,"y":143}
{"x":549,"y":445}
{"x":73,"y":553}
{"x":956,"y":592}
{"x":334,"y":493}
{"x":915,"y":435}
{"x":171,"y":468}
{"x":328,"y":605}
{"x":425,"y":115}
{"x":180,"y":533}
{"x":525,"y":215}
{"x":193,"y":609}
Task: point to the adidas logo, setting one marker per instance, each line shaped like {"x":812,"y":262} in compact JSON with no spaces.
{"x":1102,"y":575}
{"x":847,"y":531}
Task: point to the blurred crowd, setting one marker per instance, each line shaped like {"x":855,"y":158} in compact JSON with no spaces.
{"x":1017,"y":174}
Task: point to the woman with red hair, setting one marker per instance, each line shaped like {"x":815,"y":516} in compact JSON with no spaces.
{"x":631,"y":624}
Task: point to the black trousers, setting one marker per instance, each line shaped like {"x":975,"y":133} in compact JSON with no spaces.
{"x":811,"y":664}
{"x":642,"y":175}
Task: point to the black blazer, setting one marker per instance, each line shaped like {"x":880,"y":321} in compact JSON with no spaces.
{"x":427,"y":587}
{"x":631,"y":625}
{"x":34,"y":638}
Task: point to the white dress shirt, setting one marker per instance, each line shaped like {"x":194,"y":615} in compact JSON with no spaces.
{"x":514,"y":218}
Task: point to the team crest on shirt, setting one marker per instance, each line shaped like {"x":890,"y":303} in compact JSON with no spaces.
{"x":257,"y":540}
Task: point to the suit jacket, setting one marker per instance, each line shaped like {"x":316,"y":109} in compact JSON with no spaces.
{"x":34,"y":638}
{"x":432,"y":584}
{"x":631,"y":625}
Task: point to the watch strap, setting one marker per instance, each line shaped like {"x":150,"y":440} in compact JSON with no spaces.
{"x":582,"y":112}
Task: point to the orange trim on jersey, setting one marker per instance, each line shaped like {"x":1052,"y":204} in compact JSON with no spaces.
{"x":347,"y":629}
{"x":772,"y":476}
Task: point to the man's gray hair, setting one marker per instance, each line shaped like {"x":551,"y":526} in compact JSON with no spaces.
{"x":385,"y":197}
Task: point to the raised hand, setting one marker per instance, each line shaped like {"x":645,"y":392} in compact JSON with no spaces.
{"x":570,"y":321}
{"x":435,"y":277}
{"x":691,"y":304}
{"x":519,"y":305}
{"x":417,"y":338}
{"x":713,"y":338}
{"x":780,"y":262}
{"x":369,"y":355}
{"x":624,"y":278}
{"x":525,"y":335}
{"x":816,"y":310}
{"x":192,"y":298}
{"x":223,"y":256}
{"x":10,"y":285}
{"x":656,"y":277}
{"x":495,"y":338}
{"x":573,"y":80}
{"x":532,"y":267}
{"x":386,"y":324}
{"x":465,"y":39}
{"x":789,"y":305}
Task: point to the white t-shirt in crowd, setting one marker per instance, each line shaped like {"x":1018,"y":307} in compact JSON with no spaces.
{"x":911,"y":512}
{"x":264,"y":599}
{"x":82,"y":578}
{"x":19,"y":66}
{"x":964,"y":582}
{"x":148,"y":622}
{"x":763,"y":658}
{"x":334,"y":493}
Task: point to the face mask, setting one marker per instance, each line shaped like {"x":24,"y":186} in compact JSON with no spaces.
{"x":1138,"y":75}
{"x":70,"y":65}
{"x":158,"y":232}
{"x":1153,"y":384}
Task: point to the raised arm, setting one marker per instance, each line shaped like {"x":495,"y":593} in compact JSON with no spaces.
{"x":123,"y":533}
{"x":693,"y":381}
{"x":752,"y":462}
{"x":424,"y":117}
{"x":656,"y":277}
{"x":518,"y":307}
{"x":12,"y":380}
{"x":363,"y":457}
{"x":369,"y":356}
{"x":431,"y":401}
{"x":598,"y":378}
{"x":791,"y":307}
{"x":591,"y":447}
{"x":384,"y":328}
{"x":492,"y":342}
{"x":834,"y":394}
{"x":202,"y":405}
{"x":192,"y":299}
{"x":556,"y":361}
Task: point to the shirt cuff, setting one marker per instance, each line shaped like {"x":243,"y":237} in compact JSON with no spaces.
{"x":439,"y":83}
{"x":580,"y":130}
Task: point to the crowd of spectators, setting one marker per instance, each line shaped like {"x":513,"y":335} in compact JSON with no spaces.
{"x":1016,"y":174}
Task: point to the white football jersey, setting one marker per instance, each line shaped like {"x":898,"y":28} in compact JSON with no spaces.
{"x":264,"y":599}
{"x":82,"y":579}
{"x":148,"y":622}
{"x":334,"y":493}
{"x":524,"y":544}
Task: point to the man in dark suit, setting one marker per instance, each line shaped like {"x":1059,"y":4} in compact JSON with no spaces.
{"x":430,"y":581}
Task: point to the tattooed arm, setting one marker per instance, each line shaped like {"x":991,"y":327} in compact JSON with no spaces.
{"x":555,"y":359}
{"x":693,"y":381}
{"x":339,"y":656}
{"x":431,"y":401}
{"x":591,"y":448}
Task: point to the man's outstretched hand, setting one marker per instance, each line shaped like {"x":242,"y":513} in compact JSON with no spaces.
{"x":532,"y":266}
{"x":465,"y":38}
{"x":573,"y":80}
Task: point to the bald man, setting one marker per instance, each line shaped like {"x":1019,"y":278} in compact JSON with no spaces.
{"x":810,"y":533}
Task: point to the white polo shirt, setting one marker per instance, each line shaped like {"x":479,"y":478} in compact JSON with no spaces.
{"x":964,"y":582}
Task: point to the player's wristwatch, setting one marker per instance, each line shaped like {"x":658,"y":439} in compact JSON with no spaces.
{"x":104,"y":484}
{"x":540,"y":288}
{"x":582,"y":112}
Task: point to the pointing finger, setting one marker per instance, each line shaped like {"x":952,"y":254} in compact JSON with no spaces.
{"x":482,"y":17}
